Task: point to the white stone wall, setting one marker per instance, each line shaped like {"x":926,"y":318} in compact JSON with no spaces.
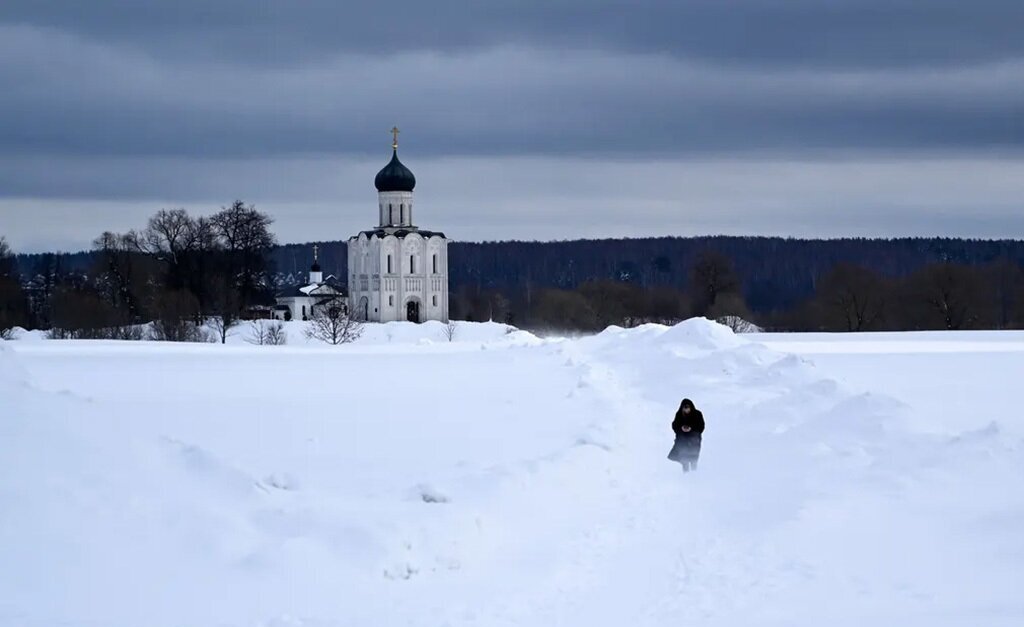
{"x":296,"y":304}
{"x":395,"y":209}
{"x":418,"y":272}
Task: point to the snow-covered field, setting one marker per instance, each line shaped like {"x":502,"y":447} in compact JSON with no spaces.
{"x":502,"y":479}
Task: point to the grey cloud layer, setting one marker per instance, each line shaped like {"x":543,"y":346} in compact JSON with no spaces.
{"x":848,"y":33}
{"x":68,"y":95}
{"x":141,"y":104}
{"x":502,"y":198}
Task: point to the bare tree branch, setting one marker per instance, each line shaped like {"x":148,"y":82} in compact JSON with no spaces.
{"x":334,"y":326}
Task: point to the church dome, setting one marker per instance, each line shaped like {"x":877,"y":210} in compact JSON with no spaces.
{"x":394,"y":177}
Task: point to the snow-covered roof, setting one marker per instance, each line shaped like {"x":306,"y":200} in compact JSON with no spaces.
{"x":327,"y":289}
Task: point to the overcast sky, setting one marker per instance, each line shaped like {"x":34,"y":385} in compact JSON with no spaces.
{"x":546,"y":119}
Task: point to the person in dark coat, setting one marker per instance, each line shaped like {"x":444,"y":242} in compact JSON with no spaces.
{"x":688,"y":427}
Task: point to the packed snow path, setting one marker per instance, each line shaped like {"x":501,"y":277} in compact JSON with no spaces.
{"x":501,"y":480}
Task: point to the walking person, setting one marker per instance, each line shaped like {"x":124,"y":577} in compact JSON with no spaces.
{"x":688,"y":426}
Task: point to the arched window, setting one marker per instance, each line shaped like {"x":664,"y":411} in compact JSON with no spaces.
{"x":391,"y":214}
{"x":412,"y":264}
{"x":401,"y":213}
{"x":435,"y":300}
{"x":389,"y":264}
{"x":435,"y":263}
{"x":391,"y":301}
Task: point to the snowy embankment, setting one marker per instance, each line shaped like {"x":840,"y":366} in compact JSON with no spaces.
{"x":505,"y":480}
{"x":295,"y":334}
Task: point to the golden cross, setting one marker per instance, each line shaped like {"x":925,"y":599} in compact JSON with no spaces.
{"x":395,"y":132}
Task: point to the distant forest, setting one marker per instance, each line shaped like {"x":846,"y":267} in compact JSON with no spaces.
{"x":775,"y":273}
{"x":779,"y":283}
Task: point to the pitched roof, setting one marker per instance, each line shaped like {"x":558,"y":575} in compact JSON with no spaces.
{"x":312,"y":290}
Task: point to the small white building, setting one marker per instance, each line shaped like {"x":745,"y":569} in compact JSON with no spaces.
{"x":397,"y":271}
{"x":302,"y":302}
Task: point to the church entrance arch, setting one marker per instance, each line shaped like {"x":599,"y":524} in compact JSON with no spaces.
{"x":364,"y":309}
{"x":412,"y":310}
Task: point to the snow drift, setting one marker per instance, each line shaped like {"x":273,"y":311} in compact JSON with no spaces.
{"x":496,"y":480}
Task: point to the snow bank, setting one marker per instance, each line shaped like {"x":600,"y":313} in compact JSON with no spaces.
{"x":431,"y":332}
{"x":407,"y":481}
{"x":694,"y":334}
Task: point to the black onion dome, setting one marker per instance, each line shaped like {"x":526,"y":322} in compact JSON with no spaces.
{"x":315,"y":267}
{"x":394,"y":177}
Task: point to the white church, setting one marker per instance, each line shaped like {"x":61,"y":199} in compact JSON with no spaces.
{"x":397,"y":271}
{"x":302,"y":303}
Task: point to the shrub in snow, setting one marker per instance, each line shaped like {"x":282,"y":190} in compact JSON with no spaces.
{"x":132,"y":332}
{"x":738,"y":324}
{"x":449,"y":330}
{"x":220,"y":327}
{"x":176,"y":312}
{"x":731,"y":310}
{"x":267,"y":332}
{"x":179,"y":331}
{"x":334,"y":326}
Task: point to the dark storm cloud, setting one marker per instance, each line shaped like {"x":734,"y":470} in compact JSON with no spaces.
{"x":66,"y":95}
{"x":148,"y":104}
{"x":230,"y":78}
{"x":847,"y":33}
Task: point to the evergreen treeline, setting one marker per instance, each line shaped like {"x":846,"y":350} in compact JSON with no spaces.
{"x":786,"y":284}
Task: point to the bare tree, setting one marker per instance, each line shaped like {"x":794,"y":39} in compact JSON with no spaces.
{"x":245,"y":234}
{"x":947,"y":296}
{"x":168,"y":233}
{"x":449,"y":330}
{"x":257,"y":333}
{"x":333,"y":325}
{"x":276,"y":334}
{"x":267,"y":332}
{"x":123,"y":268}
{"x":852,"y":298}
{"x":187,"y":247}
{"x":221,"y":325}
{"x":712,"y":275}
{"x":202,"y":264}
{"x":228,"y":314}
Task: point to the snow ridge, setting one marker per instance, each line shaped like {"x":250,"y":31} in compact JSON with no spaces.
{"x":286,"y":488}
